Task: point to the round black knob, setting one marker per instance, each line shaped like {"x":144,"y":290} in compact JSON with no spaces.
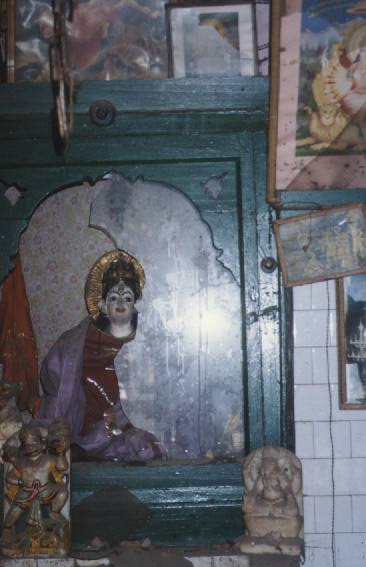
{"x":102,"y":113}
{"x":268,"y":264}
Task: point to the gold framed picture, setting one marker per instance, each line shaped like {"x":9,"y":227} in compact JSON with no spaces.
{"x":318,"y":96}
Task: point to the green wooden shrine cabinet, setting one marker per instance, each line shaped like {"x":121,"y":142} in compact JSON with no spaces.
{"x":178,"y":132}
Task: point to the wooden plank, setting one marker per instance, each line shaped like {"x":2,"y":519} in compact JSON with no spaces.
{"x":115,"y":151}
{"x":191,"y":504}
{"x":39,"y":182}
{"x":33,"y":126}
{"x":149,"y":95}
{"x":96,"y":475}
{"x":191,"y":527}
{"x":254,"y":422}
{"x":268,"y":303}
{"x":298,"y":202}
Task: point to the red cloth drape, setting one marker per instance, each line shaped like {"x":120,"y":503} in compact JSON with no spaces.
{"x":18,"y":348}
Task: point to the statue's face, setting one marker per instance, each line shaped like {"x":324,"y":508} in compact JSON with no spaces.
{"x":119,"y":304}
{"x":32,"y":445}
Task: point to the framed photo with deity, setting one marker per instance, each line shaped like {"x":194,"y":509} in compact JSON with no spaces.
{"x":106,"y":39}
{"x":211,"y":39}
{"x":318,"y":96}
{"x":324,"y":245}
{"x":351,"y":320}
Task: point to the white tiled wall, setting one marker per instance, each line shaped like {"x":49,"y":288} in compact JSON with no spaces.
{"x":316,"y":402}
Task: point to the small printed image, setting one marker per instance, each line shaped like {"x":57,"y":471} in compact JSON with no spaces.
{"x":211,"y":40}
{"x":211,"y":43}
{"x":321,"y":246}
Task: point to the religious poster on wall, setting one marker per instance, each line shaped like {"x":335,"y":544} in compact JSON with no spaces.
{"x":107,"y":40}
{"x":318,"y":138}
{"x":323,"y":245}
{"x":351,"y":319}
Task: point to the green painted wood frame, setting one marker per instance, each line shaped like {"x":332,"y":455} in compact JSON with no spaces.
{"x":158,"y":124}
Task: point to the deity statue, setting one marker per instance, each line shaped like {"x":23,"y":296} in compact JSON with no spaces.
{"x":36,"y":492}
{"x":78,"y":375}
{"x":272,"y":504}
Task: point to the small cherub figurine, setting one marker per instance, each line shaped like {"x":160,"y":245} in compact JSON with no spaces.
{"x":37,"y":477}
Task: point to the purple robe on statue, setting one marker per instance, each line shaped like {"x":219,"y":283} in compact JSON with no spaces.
{"x":61,"y":378}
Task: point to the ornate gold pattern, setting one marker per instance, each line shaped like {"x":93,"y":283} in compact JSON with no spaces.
{"x":94,"y":282}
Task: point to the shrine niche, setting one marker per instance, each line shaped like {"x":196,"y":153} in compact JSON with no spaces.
{"x":220,"y":135}
{"x":170,"y":376}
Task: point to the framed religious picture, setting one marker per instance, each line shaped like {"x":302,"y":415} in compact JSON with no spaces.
{"x":211,"y":39}
{"x":323,"y":245}
{"x":107,"y":39}
{"x":351,"y":317}
{"x":318,"y":96}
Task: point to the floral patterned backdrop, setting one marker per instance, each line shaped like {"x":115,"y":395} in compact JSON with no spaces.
{"x":57,"y":250}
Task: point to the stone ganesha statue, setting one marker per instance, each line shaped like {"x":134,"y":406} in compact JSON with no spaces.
{"x":272,"y":504}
